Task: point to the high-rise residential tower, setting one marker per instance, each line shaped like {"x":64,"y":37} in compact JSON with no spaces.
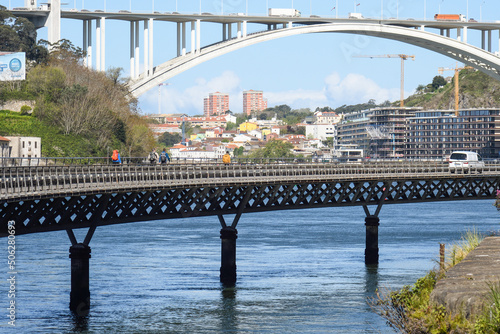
{"x":253,"y":100}
{"x":216,"y":104}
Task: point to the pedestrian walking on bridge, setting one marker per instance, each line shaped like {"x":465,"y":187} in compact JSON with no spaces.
{"x":226,"y":158}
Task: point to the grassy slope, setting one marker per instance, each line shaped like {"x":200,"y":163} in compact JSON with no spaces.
{"x":54,"y":143}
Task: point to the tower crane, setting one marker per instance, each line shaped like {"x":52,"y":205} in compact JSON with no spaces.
{"x":457,"y":70}
{"x":403,"y":58}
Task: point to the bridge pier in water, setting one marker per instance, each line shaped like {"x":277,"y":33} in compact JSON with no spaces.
{"x":79,"y":253}
{"x":79,"y":301}
{"x":371,"y":248}
{"x":372,"y":224}
{"x":228,"y":236}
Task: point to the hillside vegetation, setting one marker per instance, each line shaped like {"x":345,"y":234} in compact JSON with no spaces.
{"x":476,"y":90}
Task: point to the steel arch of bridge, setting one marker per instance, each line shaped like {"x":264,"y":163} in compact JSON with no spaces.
{"x":471,"y":55}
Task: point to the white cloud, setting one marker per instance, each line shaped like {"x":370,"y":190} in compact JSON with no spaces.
{"x":352,"y":89}
{"x":356,"y":88}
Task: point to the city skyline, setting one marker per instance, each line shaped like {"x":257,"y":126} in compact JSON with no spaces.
{"x":306,"y":71}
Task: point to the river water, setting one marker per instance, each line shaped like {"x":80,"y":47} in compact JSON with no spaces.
{"x":299,"y":271}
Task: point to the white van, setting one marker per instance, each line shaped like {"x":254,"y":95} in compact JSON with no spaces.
{"x":465,"y":162}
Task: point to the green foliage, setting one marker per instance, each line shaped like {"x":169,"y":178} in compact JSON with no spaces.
{"x":241,"y":118}
{"x":438,"y":81}
{"x":295,"y":130}
{"x":274,"y":149}
{"x":356,"y":107}
{"x":238,"y":151}
{"x":18,"y":34}
{"x":168,"y":139}
{"x":467,"y":244}
{"x":46,"y":82}
{"x":286,"y":113}
{"x":25,"y":110}
{"x":121,"y":131}
{"x":230,"y":126}
{"x":409,"y":310}
{"x":489,"y":321}
{"x":54,"y":143}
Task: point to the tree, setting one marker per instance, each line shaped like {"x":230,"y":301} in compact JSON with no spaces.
{"x":115,"y":73}
{"x":438,"y":81}
{"x":169,"y":139}
{"x":238,"y":151}
{"x":18,"y":34}
{"x":230,"y":126}
{"x":274,"y":149}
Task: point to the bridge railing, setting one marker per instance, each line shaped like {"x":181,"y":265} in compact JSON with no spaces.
{"x":19,"y":181}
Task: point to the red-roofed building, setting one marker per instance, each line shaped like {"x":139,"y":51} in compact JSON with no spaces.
{"x":328,"y":118}
{"x":159,"y":129}
{"x":203,"y":122}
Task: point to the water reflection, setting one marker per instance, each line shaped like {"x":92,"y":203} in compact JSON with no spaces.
{"x":80,"y":324}
{"x":228,"y":313}
{"x":371,"y":278}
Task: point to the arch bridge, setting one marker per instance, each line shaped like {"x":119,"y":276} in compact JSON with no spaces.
{"x":436,"y":36}
{"x":37,"y":199}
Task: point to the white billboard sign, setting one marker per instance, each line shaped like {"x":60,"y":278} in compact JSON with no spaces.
{"x":12,"y":66}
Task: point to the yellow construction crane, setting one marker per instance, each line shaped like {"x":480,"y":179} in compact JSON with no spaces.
{"x":457,"y":70}
{"x":403,"y":58}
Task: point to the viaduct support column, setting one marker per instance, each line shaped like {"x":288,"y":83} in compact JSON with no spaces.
{"x":371,"y":250}
{"x":98,"y":45}
{"x":80,"y":292}
{"x":132,"y":49}
{"x":489,"y":41}
{"x":85,"y":43}
{"x":178,"y":39}
{"x":228,"y":237}
{"x":193,"y":38}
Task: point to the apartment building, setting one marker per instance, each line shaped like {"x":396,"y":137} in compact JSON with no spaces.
{"x":379,"y":132}
{"x":216,"y":104}
{"x":253,"y":100}
{"x":436,"y":133}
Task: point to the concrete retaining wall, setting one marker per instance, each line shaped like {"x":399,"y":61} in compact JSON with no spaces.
{"x":465,"y":287}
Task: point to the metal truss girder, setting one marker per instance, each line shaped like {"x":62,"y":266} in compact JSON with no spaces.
{"x":63,"y":213}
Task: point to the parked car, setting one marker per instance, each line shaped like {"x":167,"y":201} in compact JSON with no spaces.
{"x":465,"y":162}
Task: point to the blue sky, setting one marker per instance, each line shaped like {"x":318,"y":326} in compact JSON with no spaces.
{"x":305,"y":71}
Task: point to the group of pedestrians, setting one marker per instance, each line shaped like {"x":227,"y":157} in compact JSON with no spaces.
{"x":153,"y":157}
{"x":161,"y":158}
